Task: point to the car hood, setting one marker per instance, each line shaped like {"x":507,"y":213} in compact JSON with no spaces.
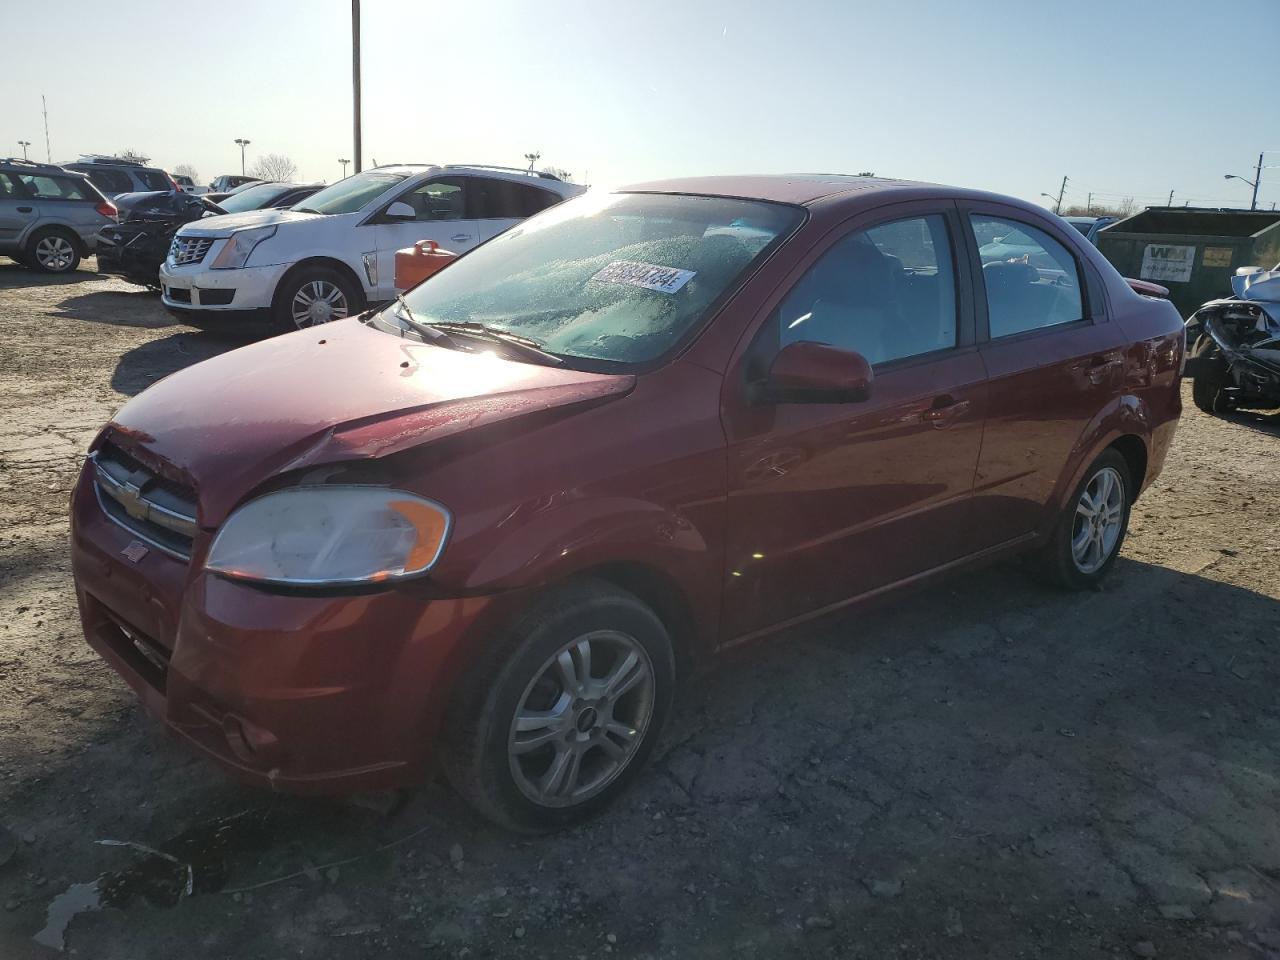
{"x":226,"y":224}
{"x":343,"y":391}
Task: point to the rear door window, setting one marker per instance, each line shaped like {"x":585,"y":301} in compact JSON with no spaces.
{"x":496,"y":199}
{"x":1031,"y":280}
{"x":55,"y":188}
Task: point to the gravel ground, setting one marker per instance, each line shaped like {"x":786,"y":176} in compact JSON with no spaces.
{"x":990,"y":770}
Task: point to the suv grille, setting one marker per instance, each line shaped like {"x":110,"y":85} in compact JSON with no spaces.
{"x":159,"y":511}
{"x":186,"y":250}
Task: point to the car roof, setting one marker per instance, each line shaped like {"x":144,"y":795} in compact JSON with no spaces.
{"x":516,"y":174}
{"x":820,"y":189}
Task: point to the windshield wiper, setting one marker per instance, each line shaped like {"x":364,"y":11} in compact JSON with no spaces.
{"x":425,"y":330}
{"x":524,"y":346}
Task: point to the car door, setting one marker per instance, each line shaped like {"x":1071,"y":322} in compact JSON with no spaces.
{"x":439,"y":210}
{"x":498,"y":205}
{"x":17,"y":212}
{"x":828,"y":502}
{"x":1053,"y":360}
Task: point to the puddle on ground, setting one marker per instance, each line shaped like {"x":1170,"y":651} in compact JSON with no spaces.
{"x":193,"y":862}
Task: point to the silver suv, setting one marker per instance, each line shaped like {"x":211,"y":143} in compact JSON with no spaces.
{"x":49,"y":217}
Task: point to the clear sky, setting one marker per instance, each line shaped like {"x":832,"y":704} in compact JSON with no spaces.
{"x":1126,"y":97}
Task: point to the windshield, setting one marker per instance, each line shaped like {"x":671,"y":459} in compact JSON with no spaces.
{"x":1082,"y":225}
{"x":254,"y":198}
{"x":351,"y":194}
{"x":611,"y":277}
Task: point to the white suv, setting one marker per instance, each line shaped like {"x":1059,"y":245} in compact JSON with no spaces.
{"x":334,"y":252}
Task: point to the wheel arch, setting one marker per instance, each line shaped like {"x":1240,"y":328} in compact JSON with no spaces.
{"x":55,"y":226}
{"x":329,"y":263}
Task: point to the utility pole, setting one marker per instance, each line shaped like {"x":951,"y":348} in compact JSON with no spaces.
{"x":48,"y":154}
{"x":1061,"y":191}
{"x":243,"y":143}
{"x":1088,"y":206}
{"x":355,"y":81}
{"x":24,"y":144}
{"x":1257,"y":179}
{"x":344,"y":167}
{"x":1170,"y":203}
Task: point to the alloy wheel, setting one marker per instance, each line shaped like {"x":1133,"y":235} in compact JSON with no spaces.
{"x":581,"y":719}
{"x":318,"y":301}
{"x":55,"y":253}
{"x":1099,"y":520}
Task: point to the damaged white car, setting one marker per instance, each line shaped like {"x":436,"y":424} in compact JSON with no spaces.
{"x":1233,"y":346}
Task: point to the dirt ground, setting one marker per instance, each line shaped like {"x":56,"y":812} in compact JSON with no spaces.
{"x":990,"y":769}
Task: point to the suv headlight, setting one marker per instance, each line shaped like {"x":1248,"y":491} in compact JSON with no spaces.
{"x":236,"y":253}
{"x":331,"y":536}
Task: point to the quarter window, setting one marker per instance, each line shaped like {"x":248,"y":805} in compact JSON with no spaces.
{"x":888,"y":292}
{"x":494,"y":199}
{"x":1031,"y":280}
{"x":109,"y":181}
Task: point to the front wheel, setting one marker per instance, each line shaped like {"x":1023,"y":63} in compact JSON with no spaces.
{"x":1087,"y":538}
{"x":312,"y":296}
{"x":573,"y":708}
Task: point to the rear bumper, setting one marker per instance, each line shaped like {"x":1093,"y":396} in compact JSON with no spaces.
{"x":294,"y":692}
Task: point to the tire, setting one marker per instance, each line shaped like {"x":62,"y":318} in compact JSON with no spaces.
{"x":317,"y":285}
{"x":1061,"y":561}
{"x":557,"y":769}
{"x":1209,"y":388}
{"x":52,"y":250}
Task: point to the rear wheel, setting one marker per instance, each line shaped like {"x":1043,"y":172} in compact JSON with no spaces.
{"x":1088,"y":537}
{"x":53,"y":251}
{"x":1209,"y":388}
{"x":312,"y":296}
{"x":567,"y":717}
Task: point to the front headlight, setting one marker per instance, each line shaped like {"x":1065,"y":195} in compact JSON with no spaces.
{"x":236,"y":253}
{"x":331,"y":536}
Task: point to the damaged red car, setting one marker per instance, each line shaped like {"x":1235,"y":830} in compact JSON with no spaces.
{"x":495,"y":522}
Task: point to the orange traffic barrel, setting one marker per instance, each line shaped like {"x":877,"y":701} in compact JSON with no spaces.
{"x":414,"y":264}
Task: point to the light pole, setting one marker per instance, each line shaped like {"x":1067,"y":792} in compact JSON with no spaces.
{"x":1257,"y":179}
{"x":1050,"y":196}
{"x":344,"y":167}
{"x":243,"y":143}
{"x":355,"y":82}
{"x":24,"y":144}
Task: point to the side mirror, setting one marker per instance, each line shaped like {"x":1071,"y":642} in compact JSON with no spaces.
{"x":805,"y":372}
{"x":399,"y":211}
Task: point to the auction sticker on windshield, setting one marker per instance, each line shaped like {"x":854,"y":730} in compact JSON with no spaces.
{"x":647,"y":275}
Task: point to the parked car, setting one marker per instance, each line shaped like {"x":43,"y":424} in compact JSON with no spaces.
{"x":1234,"y":346}
{"x":494,"y":522}
{"x":221,"y":195}
{"x":187,"y":185}
{"x":49,"y":218}
{"x":335,"y":252}
{"x":136,"y":245}
{"x":114,"y":176}
{"x":1090,"y":226}
{"x":227,"y":182}
{"x":266,"y":196}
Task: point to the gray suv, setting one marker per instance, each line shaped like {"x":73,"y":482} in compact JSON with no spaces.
{"x":114,"y":176}
{"x":49,"y":218}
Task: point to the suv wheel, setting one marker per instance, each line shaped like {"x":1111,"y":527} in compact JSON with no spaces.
{"x":312,"y":296}
{"x":1089,"y":535}
{"x":53,"y":251}
{"x":583,"y":687}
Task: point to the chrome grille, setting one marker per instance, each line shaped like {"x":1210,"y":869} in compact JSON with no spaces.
{"x":186,"y":250}
{"x":152,"y":508}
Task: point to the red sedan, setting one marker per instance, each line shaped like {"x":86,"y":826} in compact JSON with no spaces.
{"x":493,"y":522}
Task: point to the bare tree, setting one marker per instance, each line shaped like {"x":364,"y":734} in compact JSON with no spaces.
{"x":274,"y":166}
{"x":533,"y":156}
{"x":187,"y":170}
{"x":133,"y":155}
{"x":559,"y":173}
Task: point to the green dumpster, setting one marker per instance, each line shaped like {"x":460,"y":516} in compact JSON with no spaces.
{"x":1194,"y":251}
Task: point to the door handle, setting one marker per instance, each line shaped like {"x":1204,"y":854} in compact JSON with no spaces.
{"x":24,"y":209}
{"x":460,"y":237}
{"x":944,"y":410}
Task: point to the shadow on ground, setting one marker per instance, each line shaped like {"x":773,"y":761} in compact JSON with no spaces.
{"x":151,"y":361}
{"x":992,"y":769}
{"x":14,"y":275}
